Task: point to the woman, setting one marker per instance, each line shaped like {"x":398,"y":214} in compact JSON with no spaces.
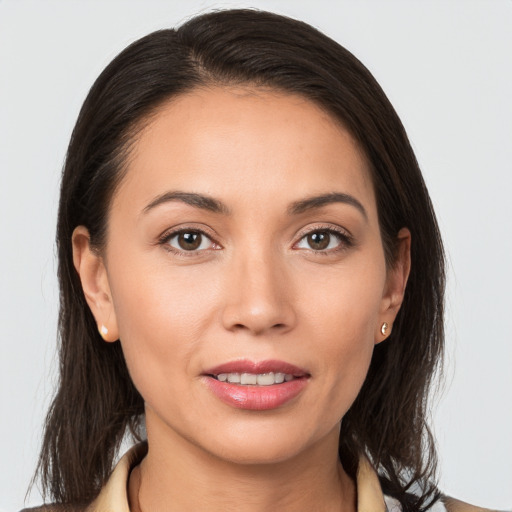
{"x":251,"y":269}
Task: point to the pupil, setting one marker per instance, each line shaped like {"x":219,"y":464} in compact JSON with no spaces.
{"x":189,"y":241}
{"x":319,"y":240}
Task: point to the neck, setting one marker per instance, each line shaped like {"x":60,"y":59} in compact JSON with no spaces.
{"x":179,"y":476}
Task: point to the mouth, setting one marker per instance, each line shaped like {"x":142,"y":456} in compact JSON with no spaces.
{"x":250,"y":373}
{"x":256,"y":386}
{"x":254,"y":379}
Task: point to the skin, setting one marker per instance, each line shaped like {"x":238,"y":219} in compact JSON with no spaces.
{"x":255,"y":289}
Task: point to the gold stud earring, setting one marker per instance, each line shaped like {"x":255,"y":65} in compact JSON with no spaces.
{"x":103,"y":331}
{"x":384,"y":329}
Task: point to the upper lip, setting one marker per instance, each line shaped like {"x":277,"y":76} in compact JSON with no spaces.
{"x":257,"y":367}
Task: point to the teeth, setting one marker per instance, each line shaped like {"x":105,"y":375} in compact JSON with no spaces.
{"x":265,"y":379}
{"x":279,"y":378}
{"x":251,"y":379}
{"x":234,"y":378}
{"x":248,"y":378}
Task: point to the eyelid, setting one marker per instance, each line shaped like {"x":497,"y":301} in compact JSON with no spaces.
{"x":170,"y":233}
{"x":346,"y":238}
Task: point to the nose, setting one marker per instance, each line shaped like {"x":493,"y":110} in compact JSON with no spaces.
{"x":259,"y":297}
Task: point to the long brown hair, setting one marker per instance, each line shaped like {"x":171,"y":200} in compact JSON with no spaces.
{"x":96,"y":403}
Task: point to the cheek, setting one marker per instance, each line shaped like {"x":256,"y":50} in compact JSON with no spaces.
{"x":160,"y":315}
{"x":342,"y":316}
{"x":345,"y":304}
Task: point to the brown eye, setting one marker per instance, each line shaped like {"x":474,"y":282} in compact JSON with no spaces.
{"x":319,"y":240}
{"x":189,"y":241}
{"x":324,"y":241}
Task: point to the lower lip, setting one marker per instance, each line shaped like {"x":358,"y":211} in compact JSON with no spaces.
{"x":256,"y":398}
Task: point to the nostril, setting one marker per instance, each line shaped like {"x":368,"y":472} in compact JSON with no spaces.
{"x":242,"y":327}
{"x":258,"y":316}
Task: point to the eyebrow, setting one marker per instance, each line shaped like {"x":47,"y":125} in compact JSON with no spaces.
{"x":214,"y":205}
{"x":314,"y":202}
{"x":197,"y":200}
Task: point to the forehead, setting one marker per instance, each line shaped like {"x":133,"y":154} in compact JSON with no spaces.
{"x":234,"y":140}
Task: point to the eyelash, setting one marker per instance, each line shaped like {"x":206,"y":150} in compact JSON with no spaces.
{"x":169,"y":235}
{"x":345,"y":239}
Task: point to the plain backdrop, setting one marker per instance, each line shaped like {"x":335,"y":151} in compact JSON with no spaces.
{"x":447,"y":68}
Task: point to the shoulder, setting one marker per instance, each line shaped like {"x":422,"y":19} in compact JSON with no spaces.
{"x":453,"y":505}
{"x":113,"y":496}
{"x":444,"y":504}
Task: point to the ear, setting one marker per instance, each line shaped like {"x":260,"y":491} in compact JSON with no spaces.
{"x":396,"y":282}
{"x":93,"y":275}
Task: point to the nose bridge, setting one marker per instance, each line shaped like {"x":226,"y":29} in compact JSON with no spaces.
{"x":258,"y":296}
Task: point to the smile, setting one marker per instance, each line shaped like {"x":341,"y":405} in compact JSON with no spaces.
{"x":256,"y":386}
{"x":253,"y":379}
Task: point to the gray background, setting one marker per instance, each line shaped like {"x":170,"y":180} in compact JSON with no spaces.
{"x":447,"y":68}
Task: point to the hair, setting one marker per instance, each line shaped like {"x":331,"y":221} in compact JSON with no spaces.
{"x":96,"y":403}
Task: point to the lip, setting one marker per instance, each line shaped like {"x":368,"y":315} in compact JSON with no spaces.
{"x":256,"y":398}
{"x":247,"y":366}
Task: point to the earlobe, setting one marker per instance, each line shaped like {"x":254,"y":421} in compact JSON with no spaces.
{"x":94,"y":279}
{"x":395,"y":286}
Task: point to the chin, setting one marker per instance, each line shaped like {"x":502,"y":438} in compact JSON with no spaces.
{"x":263,"y":453}
{"x":259,"y":446}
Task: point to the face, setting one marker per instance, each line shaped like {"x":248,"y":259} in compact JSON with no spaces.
{"x":243,"y":245}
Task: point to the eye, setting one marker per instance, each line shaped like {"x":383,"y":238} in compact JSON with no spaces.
{"x":188,"y":241}
{"x":323,"y":240}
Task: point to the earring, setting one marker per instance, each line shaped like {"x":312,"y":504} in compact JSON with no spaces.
{"x":384,"y":328}
{"x":103,"y":331}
